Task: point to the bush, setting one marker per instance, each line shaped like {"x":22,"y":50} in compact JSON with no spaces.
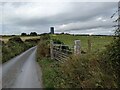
{"x":45,"y":37}
{"x":33,"y":42}
{"x":84,"y":72}
{"x":15,"y":39}
{"x":57,"y":41}
{"x":43,"y":49}
{"x":13,"y":47}
{"x":113,"y":56}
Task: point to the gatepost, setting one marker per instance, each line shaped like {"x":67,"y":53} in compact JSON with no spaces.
{"x":77,"y":47}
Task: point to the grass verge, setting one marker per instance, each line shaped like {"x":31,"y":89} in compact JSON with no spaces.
{"x":77,"y":73}
{"x":49,"y":72}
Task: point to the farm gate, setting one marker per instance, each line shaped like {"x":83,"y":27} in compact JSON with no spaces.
{"x":62,"y":52}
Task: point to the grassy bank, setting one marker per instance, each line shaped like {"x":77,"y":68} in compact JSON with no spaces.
{"x":80,"y":73}
{"x":49,"y":72}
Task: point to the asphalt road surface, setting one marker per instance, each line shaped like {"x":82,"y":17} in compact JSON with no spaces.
{"x":22,"y":71}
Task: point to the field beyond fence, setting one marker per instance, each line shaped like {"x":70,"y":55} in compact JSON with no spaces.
{"x":6,"y":38}
{"x":98,"y":43}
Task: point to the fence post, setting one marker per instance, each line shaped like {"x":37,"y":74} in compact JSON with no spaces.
{"x":89,"y":45}
{"x":77,"y":47}
{"x":60,"y":47}
{"x":51,"y":49}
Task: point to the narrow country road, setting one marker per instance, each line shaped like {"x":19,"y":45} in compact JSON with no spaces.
{"x":22,"y":71}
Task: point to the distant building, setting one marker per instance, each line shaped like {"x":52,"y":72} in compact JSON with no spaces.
{"x":52,"y":30}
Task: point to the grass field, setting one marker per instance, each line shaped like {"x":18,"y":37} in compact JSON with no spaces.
{"x":98,"y":42}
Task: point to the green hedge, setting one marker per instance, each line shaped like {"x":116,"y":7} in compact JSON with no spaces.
{"x":13,"y":47}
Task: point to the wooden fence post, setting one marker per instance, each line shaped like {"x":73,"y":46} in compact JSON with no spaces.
{"x":77,"y":47}
{"x":60,"y":47}
{"x":51,"y":49}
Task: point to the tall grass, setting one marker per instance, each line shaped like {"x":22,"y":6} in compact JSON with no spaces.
{"x":77,"y":72}
{"x":87,"y":72}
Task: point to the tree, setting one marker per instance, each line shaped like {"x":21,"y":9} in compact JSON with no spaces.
{"x":114,"y":49}
{"x":15,"y":39}
{"x":33,"y":34}
{"x":23,"y":34}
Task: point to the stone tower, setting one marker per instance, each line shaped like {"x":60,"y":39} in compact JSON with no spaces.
{"x":52,"y":30}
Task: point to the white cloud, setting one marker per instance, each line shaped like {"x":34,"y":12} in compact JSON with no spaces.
{"x":59,"y":0}
{"x":92,"y":24}
{"x":65,"y":16}
{"x":32,"y":10}
{"x":99,"y":19}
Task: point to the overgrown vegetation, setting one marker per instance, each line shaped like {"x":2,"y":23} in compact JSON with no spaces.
{"x":113,"y":56}
{"x":81,"y":72}
{"x":87,"y":72}
{"x":14,"y":47}
{"x":1,"y":51}
{"x":44,"y":47}
{"x":94,"y":70}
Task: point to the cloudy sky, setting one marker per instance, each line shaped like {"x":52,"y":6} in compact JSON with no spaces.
{"x":70,"y":17}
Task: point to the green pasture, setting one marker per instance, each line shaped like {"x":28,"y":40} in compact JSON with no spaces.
{"x":97,"y":42}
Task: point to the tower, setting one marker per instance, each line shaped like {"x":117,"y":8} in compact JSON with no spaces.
{"x":52,"y":30}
